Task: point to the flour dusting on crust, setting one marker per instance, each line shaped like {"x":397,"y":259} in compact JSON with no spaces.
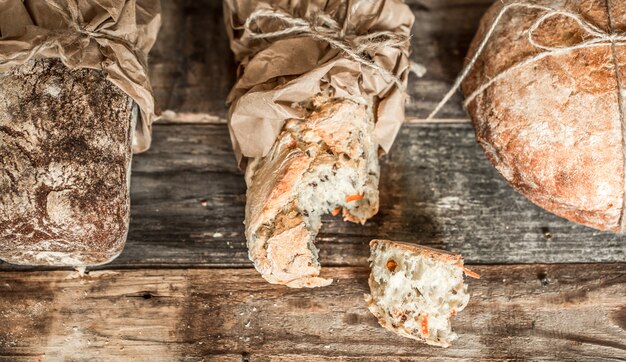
{"x":65,"y":142}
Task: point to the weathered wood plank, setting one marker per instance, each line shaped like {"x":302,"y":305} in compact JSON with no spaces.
{"x":192,"y":68}
{"x":441,"y":35}
{"x":543,"y":311}
{"x":191,"y":65}
{"x":437,"y":188}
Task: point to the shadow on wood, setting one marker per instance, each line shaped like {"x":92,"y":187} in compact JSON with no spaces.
{"x":558,"y":312}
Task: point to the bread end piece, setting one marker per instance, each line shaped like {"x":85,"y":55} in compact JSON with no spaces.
{"x":415,"y":290}
{"x":323,"y":164}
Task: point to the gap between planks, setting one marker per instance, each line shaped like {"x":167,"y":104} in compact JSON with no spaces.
{"x":171,"y":117}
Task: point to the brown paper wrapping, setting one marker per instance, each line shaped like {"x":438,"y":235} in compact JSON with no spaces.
{"x":114,"y":36}
{"x":273,"y":74}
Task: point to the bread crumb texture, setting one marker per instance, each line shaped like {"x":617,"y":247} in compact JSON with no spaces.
{"x":65,"y":141}
{"x":324,"y":164}
{"x":415,"y":291}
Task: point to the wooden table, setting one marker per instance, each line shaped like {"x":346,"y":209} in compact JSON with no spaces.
{"x":185,"y":289}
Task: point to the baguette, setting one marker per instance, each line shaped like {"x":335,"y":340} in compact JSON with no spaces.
{"x":415,"y":290}
{"x":325,"y":163}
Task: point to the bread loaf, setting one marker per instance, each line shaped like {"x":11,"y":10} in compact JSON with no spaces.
{"x":320,"y":90}
{"x":326,"y":163}
{"x":551,"y":118}
{"x":65,"y":146}
{"x":415,"y":290}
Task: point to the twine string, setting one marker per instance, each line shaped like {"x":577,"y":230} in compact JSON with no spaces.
{"x":323,"y":27}
{"x":75,"y":22}
{"x":597,"y":37}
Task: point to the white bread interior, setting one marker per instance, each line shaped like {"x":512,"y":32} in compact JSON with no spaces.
{"x":415,"y":290}
{"x":317,"y":166}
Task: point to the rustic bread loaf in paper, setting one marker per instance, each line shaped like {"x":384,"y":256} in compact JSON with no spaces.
{"x":76,"y":102}
{"x":416,"y":290}
{"x":326,"y":163}
{"x":320,"y":92}
{"x":65,"y":146}
{"x":546,"y":97}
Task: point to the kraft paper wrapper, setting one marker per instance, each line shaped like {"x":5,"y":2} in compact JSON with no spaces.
{"x":275,"y":73}
{"x":114,"y":36}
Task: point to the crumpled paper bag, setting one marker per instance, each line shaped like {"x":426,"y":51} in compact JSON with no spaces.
{"x":114,"y":36}
{"x":275,"y":73}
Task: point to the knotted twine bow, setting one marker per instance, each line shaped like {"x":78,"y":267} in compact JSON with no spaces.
{"x":323,"y":27}
{"x":76,"y":23}
{"x":123,"y":60}
{"x":598,"y":38}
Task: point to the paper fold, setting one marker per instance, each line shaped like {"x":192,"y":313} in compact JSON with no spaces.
{"x":275,"y":73}
{"x":114,"y":36}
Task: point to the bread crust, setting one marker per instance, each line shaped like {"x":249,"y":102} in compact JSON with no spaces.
{"x":66,"y":150}
{"x":283,"y":206}
{"x":397,"y":313}
{"x":423,"y":250}
{"x":553,"y":128}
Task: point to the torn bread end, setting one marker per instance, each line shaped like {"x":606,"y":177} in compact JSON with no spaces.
{"x":326,"y":163}
{"x":415,"y":290}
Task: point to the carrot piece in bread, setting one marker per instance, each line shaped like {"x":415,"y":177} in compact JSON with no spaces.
{"x":471,"y":274}
{"x":425,"y":284}
{"x":290,"y":189}
{"x":354,"y":198}
{"x":425,"y":325}
{"x":336,"y":211}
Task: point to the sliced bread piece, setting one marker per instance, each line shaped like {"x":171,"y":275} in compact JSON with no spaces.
{"x":415,"y":290}
{"x":326,"y":163}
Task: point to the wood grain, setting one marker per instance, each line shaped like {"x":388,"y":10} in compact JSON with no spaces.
{"x":191,"y":65}
{"x":192,"y":68}
{"x":516,"y":311}
{"x":437,"y":188}
{"x":183,"y":289}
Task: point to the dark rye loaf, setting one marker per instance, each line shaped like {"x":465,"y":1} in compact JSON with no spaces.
{"x":65,"y":147}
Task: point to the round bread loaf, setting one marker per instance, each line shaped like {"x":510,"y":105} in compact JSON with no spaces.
{"x":65,"y":146}
{"x":546,"y":96}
